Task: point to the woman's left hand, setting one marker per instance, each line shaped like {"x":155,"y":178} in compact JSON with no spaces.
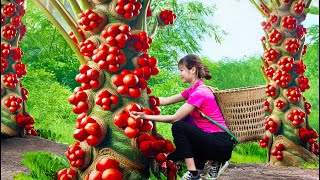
{"x":137,"y":115}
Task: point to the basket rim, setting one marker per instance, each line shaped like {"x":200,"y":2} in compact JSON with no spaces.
{"x":247,"y":88}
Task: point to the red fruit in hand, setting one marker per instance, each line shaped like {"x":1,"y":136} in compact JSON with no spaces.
{"x":134,"y":123}
{"x":132,"y":107}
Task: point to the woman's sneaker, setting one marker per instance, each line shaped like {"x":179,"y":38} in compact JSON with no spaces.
{"x":212,"y":171}
{"x":188,"y":176}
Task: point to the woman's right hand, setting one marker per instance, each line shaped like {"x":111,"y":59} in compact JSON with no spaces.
{"x":137,"y":115}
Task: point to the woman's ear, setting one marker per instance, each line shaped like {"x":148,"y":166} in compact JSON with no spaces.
{"x":193,"y":70}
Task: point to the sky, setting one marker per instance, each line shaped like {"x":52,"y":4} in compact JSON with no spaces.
{"x":241,"y":20}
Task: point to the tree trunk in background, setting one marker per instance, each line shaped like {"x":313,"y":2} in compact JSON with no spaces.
{"x":15,"y":121}
{"x":289,"y":138}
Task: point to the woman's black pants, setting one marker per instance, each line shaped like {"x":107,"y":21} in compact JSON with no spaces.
{"x":190,"y":141}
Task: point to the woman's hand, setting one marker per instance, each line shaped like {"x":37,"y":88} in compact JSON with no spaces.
{"x":137,"y":115}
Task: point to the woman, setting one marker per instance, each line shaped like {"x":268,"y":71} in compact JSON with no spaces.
{"x":203,"y":141}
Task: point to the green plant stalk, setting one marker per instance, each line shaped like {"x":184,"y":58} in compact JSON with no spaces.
{"x":73,"y":46}
{"x":75,"y":7}
{"x":67,"y":18}
{"x":142,"y":18}
{"x":278,"y":2}
{"x":265,"y":5}
{"x":85,"y":4}
{"x":258,"y":8}
{"x":155,"y":29}
{"x":308,"y":3}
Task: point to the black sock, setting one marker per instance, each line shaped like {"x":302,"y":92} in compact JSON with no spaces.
{"x":194,"y":173}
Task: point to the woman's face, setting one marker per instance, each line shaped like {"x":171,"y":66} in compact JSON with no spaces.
{"x":186,"y":74}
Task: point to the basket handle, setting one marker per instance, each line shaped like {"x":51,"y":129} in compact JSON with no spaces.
{"x":216,"y":123}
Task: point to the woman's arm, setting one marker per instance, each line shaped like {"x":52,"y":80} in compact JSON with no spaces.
{"x":171,"y":100}
{"x":182,"y":112}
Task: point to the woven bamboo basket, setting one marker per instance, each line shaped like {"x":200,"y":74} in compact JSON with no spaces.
{"x":243,"y":111}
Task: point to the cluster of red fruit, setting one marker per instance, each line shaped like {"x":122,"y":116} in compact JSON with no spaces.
{"x":307,"y":106}
{"x":130,"y":125}
{"x":16,"y":53}
{"x":88,"y":129}
{"x":10,"y":80}
{"x":267,"y":107}
{"x":266,"y":25}
{"x":9,"y":32}
{"x":297,"y":117}
{"x":299,"y":7}
{"x":271,"y":55}
{"x":88,"y":77}
{"x":282,"y":78}
{"x":87,"y":47}
{"x":275,"y":36}
{"x":270,"y":71}
{"x":108,"y":58}
{"x":128,"y":8}
{"x":106,"y":169}
{"x":117,"y":35}
{"x":280,"y":104}
{"x":9,"y":9}
{"x":20,"y":69}
{"x":289,"y":22}
{"x":271,"y":91}
{"x":75,"y":155}
{"x":301,"y":31}
{"x":4,"y":65}
{"x":293,"y":94}
{"x":140,"y":42}
{"x":154,"y":103}
{"x":264,"y":9}
{"x":79,"y":99}
{"x":292,"y":45}
{"x":67,"y":174}
{"x":286,"y":64}
{"x":89,"y":20}
{"x":263,"y":142}
{"x":309,"y":135}
{"x":26,"y":121}
{"x":303,"y":83}
{"x":167,"y":17}
{"x":299,"y":67}
{"x":106,"y":100}
{"x":270,"y":124}
{"x":14,"y":103}
{"x":273,"y":18}
{"x":16,"y":21}
{"x":148,"y":65}
{"x":278,"y":151}
{"x":129,"y":83}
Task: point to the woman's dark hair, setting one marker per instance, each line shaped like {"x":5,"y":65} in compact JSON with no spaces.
{"x":191,"y":61}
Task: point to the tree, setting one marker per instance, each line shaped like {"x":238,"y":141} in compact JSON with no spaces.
{"x":111,"y":40}
{"x":15,"y":121}
{"x":290,"y":139}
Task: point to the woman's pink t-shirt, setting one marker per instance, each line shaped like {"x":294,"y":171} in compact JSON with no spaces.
{"x":201,"y":97}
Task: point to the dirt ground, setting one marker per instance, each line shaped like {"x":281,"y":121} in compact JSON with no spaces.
{"x":11,"y":150}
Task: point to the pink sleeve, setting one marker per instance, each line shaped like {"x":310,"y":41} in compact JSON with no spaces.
{"x":196,"y":98}
{"x":185,"y":93}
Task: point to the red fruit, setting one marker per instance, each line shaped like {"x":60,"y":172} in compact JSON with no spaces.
{"x":93,"y":128}
{"x":117,"y":80}
{"x":107,"y":163}
{"x":134,"y":123}
{"x":114,"y":99}
{"x":146,"y":146}
{"x":120,"y":120}
{"x":131,"y":132}
{"x":161,"y":158}
{"x":145,"y":137}
{"x":86,"y":120}
{"x":279,"y":157}
{"x":146,"y":126}
{"x":111,"y":174}
{"x":160,"y":145}
{"x":95,"y":175}
{"x":80,"y":134}
{"x":142,"y":83}
{"x":80,"y":153}
{"x":169,"y":147}
{"x":147,"y":111}
{"x":123,"y":90}
{"x":138,"y":72}
{"x":130,"y":80}
{"x":132,"y":107}
{"x":135,"y":92}
{"x":92,"y":140}
{"x":280,"y":147}
{"x":92,"y":73}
